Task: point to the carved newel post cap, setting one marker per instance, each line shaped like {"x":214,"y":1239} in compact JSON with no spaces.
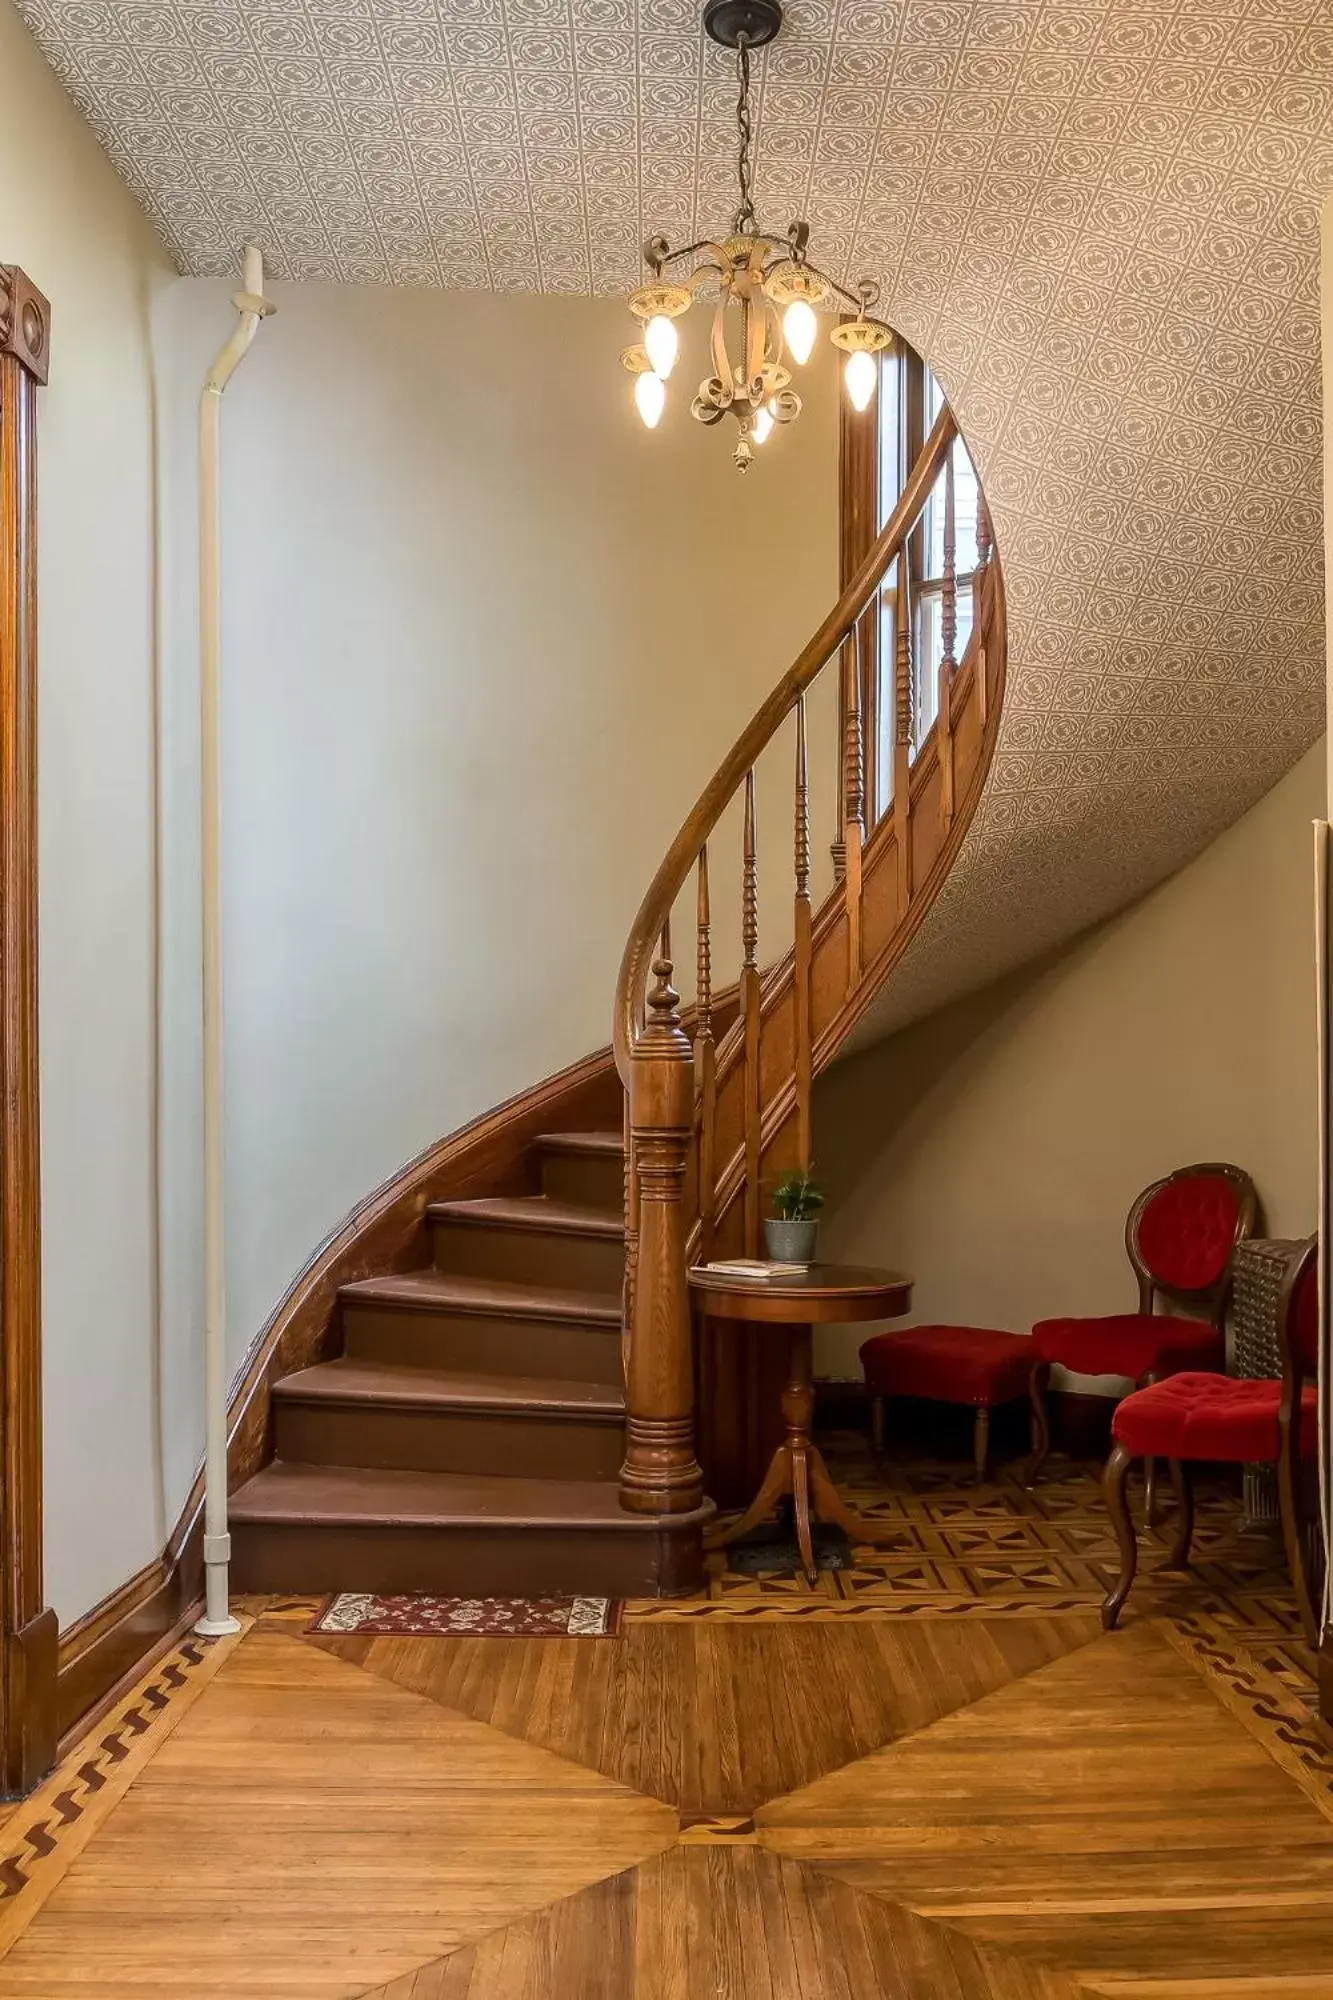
{"x":663,"y":999}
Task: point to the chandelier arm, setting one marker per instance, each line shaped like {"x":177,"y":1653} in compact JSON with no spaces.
{"x":691,"y":250}
{"x":852,"y":299}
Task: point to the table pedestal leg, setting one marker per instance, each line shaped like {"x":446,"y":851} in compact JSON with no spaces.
{"x":796,"y":1467}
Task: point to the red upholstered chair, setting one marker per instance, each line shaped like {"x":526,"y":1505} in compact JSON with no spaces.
{"x":1190,"y":1417}
{"x":1180,"y":1236}
{"x":979,"y":1366}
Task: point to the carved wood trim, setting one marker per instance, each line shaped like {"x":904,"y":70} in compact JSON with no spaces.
{"x":28,"y":1637}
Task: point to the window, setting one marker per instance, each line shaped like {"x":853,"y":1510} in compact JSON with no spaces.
{"x":879,"y":449}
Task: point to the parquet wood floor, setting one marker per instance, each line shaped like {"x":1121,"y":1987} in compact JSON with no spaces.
{"x":933,"y":1778}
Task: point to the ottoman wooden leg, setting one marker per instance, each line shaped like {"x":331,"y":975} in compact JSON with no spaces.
{"x":877,"y":1425}
{"x":981,"y":1441}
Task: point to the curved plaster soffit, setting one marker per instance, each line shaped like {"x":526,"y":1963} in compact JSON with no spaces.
{"x":1099,"y":223}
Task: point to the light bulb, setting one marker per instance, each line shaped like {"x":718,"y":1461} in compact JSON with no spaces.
{"x":799,"y":327}
{"x":861,"y":374}
{"x":650,"y":395}
{"x":659,"y":337}
{"x":762,"y":425}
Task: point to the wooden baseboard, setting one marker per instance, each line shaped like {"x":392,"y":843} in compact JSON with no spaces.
{"x":116,"y":1640}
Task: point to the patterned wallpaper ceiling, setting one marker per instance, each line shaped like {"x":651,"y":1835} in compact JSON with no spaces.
{"x":1099,"y":221}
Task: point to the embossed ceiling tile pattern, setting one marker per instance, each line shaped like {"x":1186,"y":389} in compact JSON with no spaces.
{"x":1098,"y":221}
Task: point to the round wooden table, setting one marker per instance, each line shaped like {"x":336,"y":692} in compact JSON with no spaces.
{"x":820,"y":1295}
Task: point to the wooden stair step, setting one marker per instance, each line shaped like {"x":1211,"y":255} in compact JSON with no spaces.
{"x":348,"y":1380}
{"x":430,"y":1290}
{"x":372,"y":1413}
{"x":361,"y":1496}
{"x":444,"y":1319}
{"x":330,"y":1528}
{"x":607,"y":1144}
{"x":539,"y":1212}
{"x":534,"y":1238}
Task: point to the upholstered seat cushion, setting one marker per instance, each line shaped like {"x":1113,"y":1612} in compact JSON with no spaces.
{"x":1130,"y":1344}
{"x":949,"y":1364}
{"x":1210,"y":1416}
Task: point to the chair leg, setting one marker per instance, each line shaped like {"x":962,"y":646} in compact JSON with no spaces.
{"x":1113,"y":1492}
{"x":1182,"y":1478}
{"x":981,"y":1442}
{"x":877,"y":1425}
{"x":1038,"y":1383}
{"x":1152,"y":1511}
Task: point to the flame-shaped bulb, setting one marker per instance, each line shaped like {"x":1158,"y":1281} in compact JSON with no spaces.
{"x":799,"y":327}
{"x":659,"y":337}
{"x":650,"y":395}
{"x":861,"y":374}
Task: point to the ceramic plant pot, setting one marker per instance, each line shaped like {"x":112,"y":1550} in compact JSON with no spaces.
{"x":790,"y":1242}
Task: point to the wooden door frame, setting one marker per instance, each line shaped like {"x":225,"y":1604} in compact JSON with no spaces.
{"x":28,"y":1630}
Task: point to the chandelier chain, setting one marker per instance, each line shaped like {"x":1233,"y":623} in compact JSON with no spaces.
{"x":744,"y":218}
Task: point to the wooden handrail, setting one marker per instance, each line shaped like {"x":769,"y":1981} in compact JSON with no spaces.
{"x":707,"y":1119}
{"x":831,"y":635}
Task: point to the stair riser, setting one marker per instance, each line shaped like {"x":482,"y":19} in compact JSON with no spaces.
{"x":483,"y":1343}
{"x":593,"y":1180}
{"x":529,"y":1256}
{"x":476,"y":1561}
{"x":522,"y":1447}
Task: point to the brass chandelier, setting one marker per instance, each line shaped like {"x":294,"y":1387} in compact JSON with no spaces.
{"x":763,"y":276}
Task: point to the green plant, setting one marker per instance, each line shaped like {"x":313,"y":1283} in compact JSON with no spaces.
{"x":797,"y":1197}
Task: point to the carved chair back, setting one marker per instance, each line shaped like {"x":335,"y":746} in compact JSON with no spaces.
{"x":1182,"y":1232}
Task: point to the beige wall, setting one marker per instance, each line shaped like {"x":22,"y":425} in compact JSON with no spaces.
{"x":485,"y":640}
{"x":67,"y":219}
{"x":994,"y":1149}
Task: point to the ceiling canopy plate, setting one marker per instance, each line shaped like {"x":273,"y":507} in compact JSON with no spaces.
{"x":728,"y":20}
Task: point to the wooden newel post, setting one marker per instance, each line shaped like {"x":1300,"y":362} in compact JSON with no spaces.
{"x":27,"y":1625}
{"x":661,"y":1473}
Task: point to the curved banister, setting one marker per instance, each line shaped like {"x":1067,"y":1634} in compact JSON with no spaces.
{"x":709,"y":1116}
{"x":832,"y":634}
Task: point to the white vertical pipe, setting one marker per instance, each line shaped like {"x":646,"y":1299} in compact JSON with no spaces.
{"x":251,"y":306}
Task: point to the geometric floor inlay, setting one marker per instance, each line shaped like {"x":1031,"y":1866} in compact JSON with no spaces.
{"x":931,"y":1776}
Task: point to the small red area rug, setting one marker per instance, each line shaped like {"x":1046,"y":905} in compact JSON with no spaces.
{"x":360,"y":1613}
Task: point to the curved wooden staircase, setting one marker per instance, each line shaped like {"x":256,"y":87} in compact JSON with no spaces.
{"x":484,"y":1384}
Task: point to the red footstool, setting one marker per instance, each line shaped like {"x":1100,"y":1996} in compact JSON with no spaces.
{"x":979,"y":1365}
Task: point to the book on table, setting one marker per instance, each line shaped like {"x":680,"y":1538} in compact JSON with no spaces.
{"x":754,"y":1267}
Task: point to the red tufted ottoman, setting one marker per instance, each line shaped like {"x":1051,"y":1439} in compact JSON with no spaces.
{"x":981,"y":1365}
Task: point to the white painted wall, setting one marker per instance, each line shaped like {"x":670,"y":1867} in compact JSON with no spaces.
{"x":485,"y":639}
{"x":994,"y":1150}
{"x":68,"y":220}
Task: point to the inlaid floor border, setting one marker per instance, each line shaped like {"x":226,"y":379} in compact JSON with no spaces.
{"x":48,"y":1831}
{"x":1271,"y":1711}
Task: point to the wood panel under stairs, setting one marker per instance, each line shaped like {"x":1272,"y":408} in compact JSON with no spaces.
{"x":468,"y":1437}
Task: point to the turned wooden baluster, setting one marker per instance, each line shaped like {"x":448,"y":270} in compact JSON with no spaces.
{"x":749,"y":999}
{"x":854,"y":796}
{"x":803,"y":948}
{"x":980,"y":609}
{"x":705,"y":1062}
{"x":903,"y":722}
{"x":661,"y":1474}
{"x":631,"y":1243}
{"x":948,"y":643}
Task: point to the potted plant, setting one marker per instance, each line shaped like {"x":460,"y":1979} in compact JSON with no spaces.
{"x":789,"y":1232}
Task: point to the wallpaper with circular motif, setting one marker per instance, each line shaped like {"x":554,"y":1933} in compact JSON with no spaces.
{"x":1098,"y":221}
